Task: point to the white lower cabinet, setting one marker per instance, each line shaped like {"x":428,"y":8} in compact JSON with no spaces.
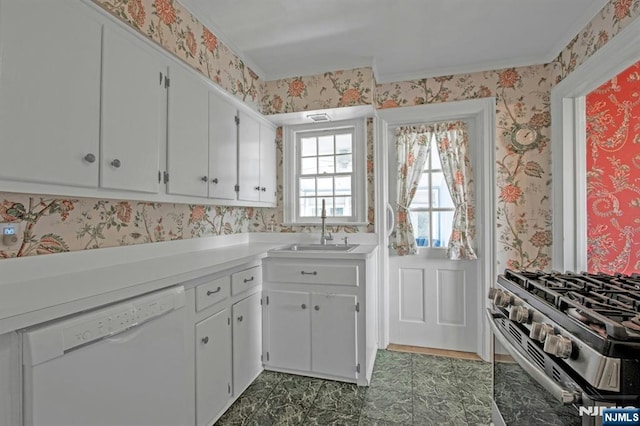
{"x":213,"y":365}
{"x":313,"y":332}
{"x":247,"y":342}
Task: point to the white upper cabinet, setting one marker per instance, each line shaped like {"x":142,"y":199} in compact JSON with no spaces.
{"x":188,"y":134}
{"x":223,"y":148}
{"x":132,"y":113}
{"x":249,"y":154}
{"x":49,"y":92}
{"x":268,"y":187}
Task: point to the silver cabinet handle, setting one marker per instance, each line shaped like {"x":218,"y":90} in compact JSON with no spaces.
{"x":90,"y":158}
{"x":247,"y":280}
{"x":210,"y":292}
{"x":205,"y":340}
{"x":309,"y":273}
{"x":116,"y":163}
{"x":317,"y":308}
{"x":304,"y":306}
{"x":240,"y":318}
{"x":214,"y":180}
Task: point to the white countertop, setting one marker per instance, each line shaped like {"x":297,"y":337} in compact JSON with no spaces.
{"x":42,"y":288}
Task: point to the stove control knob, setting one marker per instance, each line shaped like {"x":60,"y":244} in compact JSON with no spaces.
{"x":502,"y":299}
{"x":519,"y":314}
{"x":559,"y":346}
{"x":540,"y":331}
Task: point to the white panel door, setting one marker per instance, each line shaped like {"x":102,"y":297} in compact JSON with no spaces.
{"x":333,"y":334}
{"x":49,"y":92}
{"x":247,"y":342}
{"x":433,"y":301}
{"x":248,"y":158}
{"x":268,"y":167}
{"x":289,"y":330}
{"x":213,"y":366}
{"x":188,"y":134}
{"x":223,"y":148}
{"x":133,"y":107}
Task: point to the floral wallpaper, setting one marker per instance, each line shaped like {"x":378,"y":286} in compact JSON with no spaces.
{"x":613,"y":171}
{"x":523,"y":177}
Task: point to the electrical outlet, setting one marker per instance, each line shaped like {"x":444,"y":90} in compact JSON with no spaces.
{"x":10,"y":234}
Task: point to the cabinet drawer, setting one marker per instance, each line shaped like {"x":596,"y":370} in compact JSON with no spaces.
{"x":310,"y":273}
{"x":212,"y":292}
{"x":244,"y":280}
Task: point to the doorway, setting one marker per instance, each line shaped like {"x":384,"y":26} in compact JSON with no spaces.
{"x":568,"y":129}
{"x":426,"y":299}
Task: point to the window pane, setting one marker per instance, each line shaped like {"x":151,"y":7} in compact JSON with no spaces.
{"x":435,"y":157}
{"x":343,"y":144}
{"x":343,"y":206}
{"x":325,"y":186}
{"x":420,"y":223}
{"x":308,"y":146}
{"x":325,"y":164}
{"x":344,"y":163}
{"x":328,"y":205}
{"x":442,"y":225}
{"x":307,"y":187}
{"x":343,"y":185}
{"x":325,"y":145}
{"x":309,"y":166}
{"x":421,"y":198}
{"x":308,"y":207}
{"x":440,"y":191}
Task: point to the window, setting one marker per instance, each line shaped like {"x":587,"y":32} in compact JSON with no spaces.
{"x":325,"y":164}
{"x":432,"y":208}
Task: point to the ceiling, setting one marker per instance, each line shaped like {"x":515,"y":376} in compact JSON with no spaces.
{"x":400,"y":40}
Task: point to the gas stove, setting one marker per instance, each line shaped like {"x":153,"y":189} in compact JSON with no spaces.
{"x":579,"y":332}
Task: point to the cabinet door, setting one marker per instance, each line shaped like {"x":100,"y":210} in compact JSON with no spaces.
{"x":268,"y":164}
{"x":249,"y":155}
{"x":247,"y":342}
{"x":288,"y":330}
{"x":49,"y":92}
{"x":188,"y":134}
{"x":213,"y":366}
{"x":333,"y":334}
{"x":223,"y":148}
{"x":132,"y":113}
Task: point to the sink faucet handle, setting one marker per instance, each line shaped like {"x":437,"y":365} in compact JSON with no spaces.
{"x":329,"y":237}
{"x":346,"y":241}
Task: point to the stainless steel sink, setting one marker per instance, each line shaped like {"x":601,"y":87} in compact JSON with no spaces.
{"x":320,"y":247}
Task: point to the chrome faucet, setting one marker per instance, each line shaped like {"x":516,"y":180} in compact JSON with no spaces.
{"x":323,"y":235}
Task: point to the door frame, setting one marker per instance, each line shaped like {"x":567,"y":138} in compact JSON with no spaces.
{"x":482,"y":113}
{"x":569,"y":144}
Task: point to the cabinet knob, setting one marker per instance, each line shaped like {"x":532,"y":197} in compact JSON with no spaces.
{"x":90,"y":158}
{"x":214,"y":180}
{"x":217,"y":290}
{"x":304,"y":306}
{"x":116,"y":163}
{"x":240,"y":318}
{"x":205,"y":340}
{"x":263,"y":189}
{"x":317,"y":308}
{"x":204,"y":179}
{"x":257,"y":188}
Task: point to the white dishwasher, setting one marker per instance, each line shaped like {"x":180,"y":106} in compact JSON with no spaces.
{"x":121,"y":365}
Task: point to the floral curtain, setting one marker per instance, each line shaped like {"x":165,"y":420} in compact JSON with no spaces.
{"x":452,"y":142}
{"x":412,"y":150}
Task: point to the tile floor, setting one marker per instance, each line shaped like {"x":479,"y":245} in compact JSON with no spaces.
{"x":406,"y":389}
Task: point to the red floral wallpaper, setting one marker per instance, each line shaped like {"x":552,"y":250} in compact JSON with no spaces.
{"x":613,"y":174}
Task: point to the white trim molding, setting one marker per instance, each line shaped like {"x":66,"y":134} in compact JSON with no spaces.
{"x":568,"y":144}
{"x":480,"y":113}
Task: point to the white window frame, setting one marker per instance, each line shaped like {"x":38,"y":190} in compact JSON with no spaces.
{"x":290,"y":168}
{"x":430,"y":171}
